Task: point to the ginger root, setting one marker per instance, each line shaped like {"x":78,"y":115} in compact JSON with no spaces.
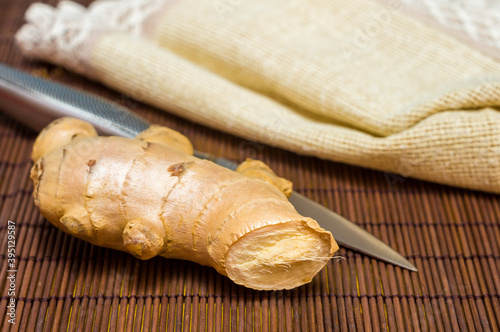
{"x":256,"y":169}
{"x":147,"y":198}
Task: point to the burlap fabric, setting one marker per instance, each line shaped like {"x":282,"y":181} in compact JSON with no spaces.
{"x":355,"y":82}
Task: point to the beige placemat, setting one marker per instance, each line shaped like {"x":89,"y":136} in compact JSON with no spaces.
{"x":353,"y":81}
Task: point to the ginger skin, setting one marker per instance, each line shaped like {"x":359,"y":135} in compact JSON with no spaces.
{"x":256,"y":169}
{"x":146,"y":198}
{"x":163,"y":135}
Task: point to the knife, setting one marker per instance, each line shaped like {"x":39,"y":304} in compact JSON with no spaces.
{"x":36,"y":102}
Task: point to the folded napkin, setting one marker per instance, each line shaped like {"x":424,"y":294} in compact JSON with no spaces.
{"x":350,"y":81}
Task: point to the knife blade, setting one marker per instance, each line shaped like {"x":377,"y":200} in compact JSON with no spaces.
{"x":36,"y":102}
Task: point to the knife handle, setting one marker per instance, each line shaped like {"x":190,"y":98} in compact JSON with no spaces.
{"x":36,"y":102}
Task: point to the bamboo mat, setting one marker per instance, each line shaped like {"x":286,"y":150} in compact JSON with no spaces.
{"x":61,"y":283}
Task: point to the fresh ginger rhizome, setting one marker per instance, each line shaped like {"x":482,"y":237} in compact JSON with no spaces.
{"x":149,"y":196}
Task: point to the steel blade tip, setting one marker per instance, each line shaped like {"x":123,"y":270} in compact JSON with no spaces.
{"x":405,"y":264}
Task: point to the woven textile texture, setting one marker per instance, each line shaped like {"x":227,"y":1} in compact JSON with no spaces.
{"x":354,"y":82}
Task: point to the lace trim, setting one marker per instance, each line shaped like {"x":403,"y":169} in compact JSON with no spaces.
{"x":64,"y":34}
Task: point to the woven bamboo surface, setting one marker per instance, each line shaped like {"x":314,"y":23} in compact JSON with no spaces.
{"x":451,"y":235}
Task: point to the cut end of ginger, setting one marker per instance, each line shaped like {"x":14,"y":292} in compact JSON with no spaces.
{"x":282,"y":256}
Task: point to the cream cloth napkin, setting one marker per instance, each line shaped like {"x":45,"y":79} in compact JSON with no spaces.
{"x":350,"y":81}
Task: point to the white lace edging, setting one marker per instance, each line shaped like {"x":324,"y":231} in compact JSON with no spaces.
{"x":63,"y":35}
